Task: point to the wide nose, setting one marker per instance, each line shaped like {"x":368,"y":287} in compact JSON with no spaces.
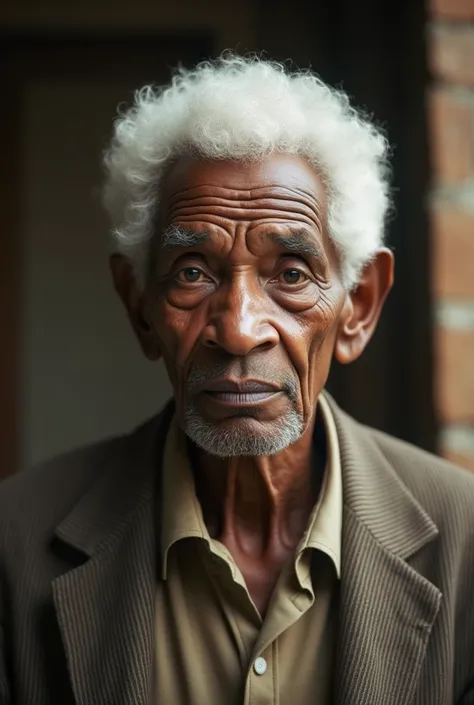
{"x":238,"y":319}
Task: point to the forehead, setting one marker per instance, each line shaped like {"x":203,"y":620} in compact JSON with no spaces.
{"x":283,"y":177}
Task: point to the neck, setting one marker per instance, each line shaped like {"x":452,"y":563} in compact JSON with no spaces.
{"x":260,"y":505}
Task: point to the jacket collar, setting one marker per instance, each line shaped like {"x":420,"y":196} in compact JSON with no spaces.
{"x":124,"y":481}
{"x":374,"y":492}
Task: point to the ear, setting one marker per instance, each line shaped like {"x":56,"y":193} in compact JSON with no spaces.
{"x":363,"y":307}
{"x":133,"y":298}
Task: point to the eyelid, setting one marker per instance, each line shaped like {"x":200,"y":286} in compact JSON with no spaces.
{"x":299,"y":260}
{"x":190,"y":260}
{"x":192,"y":257}
{"x":295,"y":256}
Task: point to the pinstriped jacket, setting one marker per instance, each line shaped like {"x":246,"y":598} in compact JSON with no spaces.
{"x":78,"y":569}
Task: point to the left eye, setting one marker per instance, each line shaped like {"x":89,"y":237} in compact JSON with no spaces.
{"x":293,"y":276}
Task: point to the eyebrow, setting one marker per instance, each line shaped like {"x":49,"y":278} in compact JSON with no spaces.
{"x":179,"y":236}
{"x":300,"y":243}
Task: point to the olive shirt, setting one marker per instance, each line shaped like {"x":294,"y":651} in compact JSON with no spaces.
{"x":212,"y":645}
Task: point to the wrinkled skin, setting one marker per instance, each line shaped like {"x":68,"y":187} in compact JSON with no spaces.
{"x":245,"y":304}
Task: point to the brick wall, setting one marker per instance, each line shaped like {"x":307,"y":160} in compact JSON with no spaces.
{"x":451,"y":118}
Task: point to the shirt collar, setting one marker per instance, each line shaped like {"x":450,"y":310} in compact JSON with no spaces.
{"x":182,"y":514}
{"x":325,"y":523}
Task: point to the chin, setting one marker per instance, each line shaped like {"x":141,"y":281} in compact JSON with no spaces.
{"x":243,"y":436}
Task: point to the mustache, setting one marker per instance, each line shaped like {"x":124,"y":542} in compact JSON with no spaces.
{"x":199,"y":376}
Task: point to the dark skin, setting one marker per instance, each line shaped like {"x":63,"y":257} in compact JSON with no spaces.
{"x":249,"y":301}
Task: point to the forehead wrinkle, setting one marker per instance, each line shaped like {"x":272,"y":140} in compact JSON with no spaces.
{"x":206,"y":209}
{"x":228,"y":218}
{"x":204,"y":190}
{"x":212,"y":194}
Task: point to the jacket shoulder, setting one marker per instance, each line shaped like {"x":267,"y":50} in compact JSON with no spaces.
{"x":43,"y":496}
{"x":51,"y":488}
{"x":437,"y":484}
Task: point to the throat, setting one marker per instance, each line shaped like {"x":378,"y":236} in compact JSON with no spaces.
{"x":259,"y":507}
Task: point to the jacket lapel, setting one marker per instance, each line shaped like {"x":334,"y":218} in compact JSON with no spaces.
{"x":105,"y":606}
{"x":387,"y":609}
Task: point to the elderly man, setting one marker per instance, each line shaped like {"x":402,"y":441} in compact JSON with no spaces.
{"x":252,"y":543}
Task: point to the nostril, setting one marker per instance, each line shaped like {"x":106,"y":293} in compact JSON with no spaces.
{"x":266,"y":346}
{"x":210,"y":343}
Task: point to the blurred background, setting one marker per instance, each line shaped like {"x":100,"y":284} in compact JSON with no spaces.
{"x":70,"y":370}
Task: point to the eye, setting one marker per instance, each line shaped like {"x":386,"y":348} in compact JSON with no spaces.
{"x":190,"y":275}
{"x":293,"y":276}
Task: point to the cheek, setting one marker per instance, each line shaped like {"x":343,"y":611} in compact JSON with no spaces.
{"x":177,"y":331}
{"x":322,"y":343}
{"x":309,"y":339}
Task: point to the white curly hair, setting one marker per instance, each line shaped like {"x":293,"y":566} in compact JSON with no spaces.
{"x":245,"y":108}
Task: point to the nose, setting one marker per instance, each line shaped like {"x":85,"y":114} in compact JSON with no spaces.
{"x":238,"y":321}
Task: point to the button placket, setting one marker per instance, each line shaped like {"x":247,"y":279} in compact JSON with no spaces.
{"x":261,"y":683}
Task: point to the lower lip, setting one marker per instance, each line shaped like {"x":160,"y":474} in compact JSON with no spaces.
{"x":240,"y":399}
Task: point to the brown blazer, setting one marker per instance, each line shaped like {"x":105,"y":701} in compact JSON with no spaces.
{"x":78,"y":565}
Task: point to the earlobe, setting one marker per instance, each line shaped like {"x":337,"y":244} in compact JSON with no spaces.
{"x":350,"y":344}
{"x":346,"y":347}
{"x":133,"y":299}
{"x":363,"y":307}
{"x":143,"y":324}
{"x":147,"y":337}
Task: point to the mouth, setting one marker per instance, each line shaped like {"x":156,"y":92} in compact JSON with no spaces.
{"x":242,"y":393}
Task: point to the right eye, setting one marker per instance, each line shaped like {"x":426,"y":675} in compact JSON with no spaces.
{"x":190,"y":275}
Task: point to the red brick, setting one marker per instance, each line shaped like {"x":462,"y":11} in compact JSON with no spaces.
{"x":464,"y":461}
{"x":453,"y":9}
{"x":453,"y":257}
{"x":452,"y":54}
{"x":450,"y":122}
{"x":454,"y":389}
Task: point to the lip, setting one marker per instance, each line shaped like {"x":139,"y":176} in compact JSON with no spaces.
{"x":231,"y":393}
{"x":241,"y":387}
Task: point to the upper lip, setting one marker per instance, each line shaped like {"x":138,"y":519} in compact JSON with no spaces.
{"x":247,"y":386}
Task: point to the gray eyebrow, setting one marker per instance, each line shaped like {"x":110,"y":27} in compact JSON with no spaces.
{"x":299,"y":242}
{"x":179,"y":236}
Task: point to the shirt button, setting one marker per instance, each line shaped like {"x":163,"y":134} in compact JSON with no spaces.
{"x":260,"y":666}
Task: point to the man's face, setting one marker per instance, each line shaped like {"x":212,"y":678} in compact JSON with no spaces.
{"x":245,"y":298}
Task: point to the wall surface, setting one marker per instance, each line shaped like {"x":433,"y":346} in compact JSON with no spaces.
{"x":84,"y":377}
{"x":451,"y":106}
{"x":232,"y":25}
